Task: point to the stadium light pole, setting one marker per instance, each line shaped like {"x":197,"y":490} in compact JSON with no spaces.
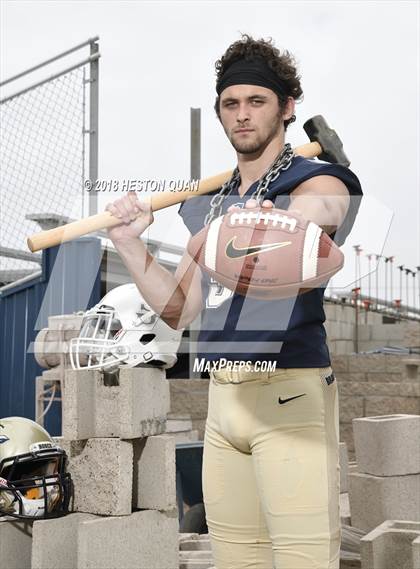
{"x":391,"y":268}
{"x":401,"y":268}
{"x":418,"y":283}
{"x":407,"y":272}
{"x":414,"y":274}
{"x":369,"y":258}
{"x":357,"y":251}
{"x":388,"y":260}
{"x":378,"y":258}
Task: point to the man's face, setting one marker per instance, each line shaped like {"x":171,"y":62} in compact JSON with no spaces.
{"x":251,"y":117}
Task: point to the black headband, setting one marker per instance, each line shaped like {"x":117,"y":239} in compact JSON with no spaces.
{"x":251,"y":72}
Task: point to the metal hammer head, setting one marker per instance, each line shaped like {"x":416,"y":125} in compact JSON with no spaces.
{"x":332,"y":147}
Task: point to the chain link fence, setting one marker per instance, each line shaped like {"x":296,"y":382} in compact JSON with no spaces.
{"x":45,"y":152}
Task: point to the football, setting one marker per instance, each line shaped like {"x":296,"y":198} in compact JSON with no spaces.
{"x":266,"y":253}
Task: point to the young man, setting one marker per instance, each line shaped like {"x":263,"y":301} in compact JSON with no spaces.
{"x":271,"y":448}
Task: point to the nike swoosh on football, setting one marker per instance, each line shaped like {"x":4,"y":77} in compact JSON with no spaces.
{"x":281,"y":401}
{"x":237,"y":252}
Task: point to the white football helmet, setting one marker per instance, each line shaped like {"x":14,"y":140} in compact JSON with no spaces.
{"x":123,"y":330}
{"x":33,"y":479}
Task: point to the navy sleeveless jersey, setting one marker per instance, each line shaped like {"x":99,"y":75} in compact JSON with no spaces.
{"x":288,"y":331}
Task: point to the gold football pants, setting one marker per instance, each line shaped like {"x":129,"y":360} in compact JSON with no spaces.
{"x":271,"y":473}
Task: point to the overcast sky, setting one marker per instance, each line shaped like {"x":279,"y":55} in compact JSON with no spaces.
{"x":359,"y":63}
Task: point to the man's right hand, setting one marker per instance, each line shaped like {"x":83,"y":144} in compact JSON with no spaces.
{"x":135,"y":217}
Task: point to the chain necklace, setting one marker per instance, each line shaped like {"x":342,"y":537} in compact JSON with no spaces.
{"x":282,"y":162}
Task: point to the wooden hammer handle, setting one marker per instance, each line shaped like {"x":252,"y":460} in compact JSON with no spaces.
{"x":51,"y":237}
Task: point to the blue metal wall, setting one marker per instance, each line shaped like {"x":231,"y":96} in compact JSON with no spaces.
{"x":70,"y":281}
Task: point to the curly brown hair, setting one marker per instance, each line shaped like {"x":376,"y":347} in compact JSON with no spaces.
{"x":283,"y":64}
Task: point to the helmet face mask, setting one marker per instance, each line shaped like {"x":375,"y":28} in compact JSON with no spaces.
{"x":97,"y":342}
{"x":123,"y":330}
{"x":33,"y":484}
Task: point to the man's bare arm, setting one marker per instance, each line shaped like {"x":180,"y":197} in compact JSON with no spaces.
{"x":323,"y":200}
{"x":176,"y":298}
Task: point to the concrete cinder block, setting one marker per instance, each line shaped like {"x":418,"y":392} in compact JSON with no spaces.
{"x":333,"y":329}
{"x":331,"y":344}
{"x":154,"y":473}
{"x":346,"y":436}
{"x":135,"y":408}
{"x":350,"y":407}
{"x":187,"y":536}
{"x":377,"y":344}
{"x":78,"y":405}
{"x":360,"y":388}
{"x":144,"y":402}
{"x":374,"y":317}
{"x":410,"y":388}
{"x":340,"y":364}
{"x":203,"y":544}
{"x":344,"y":462}
{"x":374,"y":499}
{"x":367,"y":346}
{"x":367,"y":362}
{"x":411,"y":368}
{"x":353,"y":466}
{"x":415,"y":546}
{"x":384,"y":377}
{"x":388,"y":332}
{"x":137,"y":473}
{"x":102,"y":473}
{"x":190,"y":396}
{"x":144,"y":540}
{"x":54,"y":542}
{"x":195,"y":559}
{"x":351,"y":376}
{"x":15,"y":544}
{"x":364,"y":332}
{"x":187,"y":437}
{"x":377,"y":405}
{"x":342,"y":347}
{"x":403,"y":389}
{"x":345,"y":517}
{"x":181,"y":428}
{"x":347,"y":331}
{"x":330,"y":310}
{"x":388,"y":445}
{"x":412,"y":335}
{"x":390,"y":545}
{"x":375,"y":363}
{"x":394,"y":363}
{"x":345,"y":313}
{"x":196,"y":554}
{"x":106,"y":414}
{"x":178,"y":423}
{"x":350,"y":563}
{"x":147,"y":539}
{"x":200,"y":425}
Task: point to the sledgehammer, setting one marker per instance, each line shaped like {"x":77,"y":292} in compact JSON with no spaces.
{"x":324,"y":143}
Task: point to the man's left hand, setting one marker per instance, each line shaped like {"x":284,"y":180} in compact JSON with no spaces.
{"x":251,"y":203}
